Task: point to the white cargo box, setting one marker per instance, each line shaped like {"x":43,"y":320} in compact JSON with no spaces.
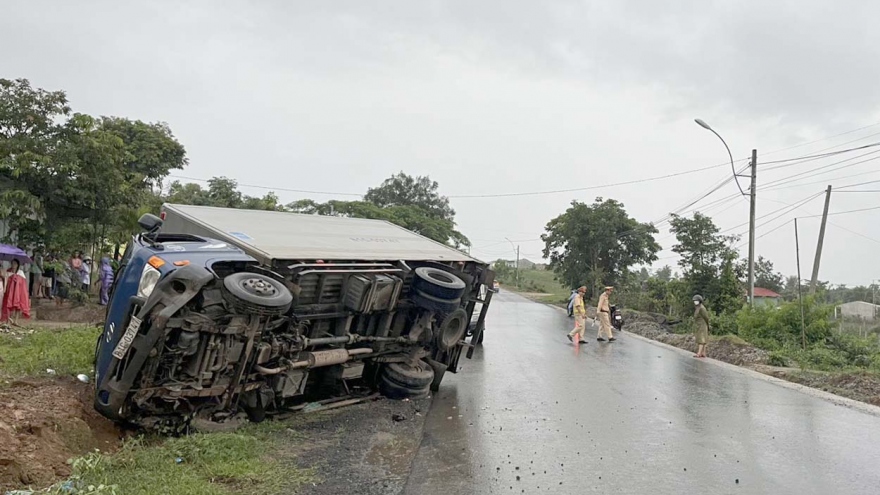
{"x":271,"y":236}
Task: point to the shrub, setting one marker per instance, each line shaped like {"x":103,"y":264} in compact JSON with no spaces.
{"x":775,"y":328}
{"x":724,"y":324}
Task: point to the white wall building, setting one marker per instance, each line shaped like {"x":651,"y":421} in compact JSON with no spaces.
{"x":858,"y":310}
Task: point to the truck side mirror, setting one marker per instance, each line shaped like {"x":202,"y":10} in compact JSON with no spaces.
{"x":150,"y":223}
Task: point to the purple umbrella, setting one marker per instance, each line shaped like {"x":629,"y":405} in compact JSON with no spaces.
{"x":9,"y":253}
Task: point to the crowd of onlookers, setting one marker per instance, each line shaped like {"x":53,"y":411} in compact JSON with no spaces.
{"x":50,"y":277}
{"x":56,"y":278}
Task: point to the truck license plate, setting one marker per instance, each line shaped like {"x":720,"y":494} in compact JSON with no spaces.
{"x":127,"y":338}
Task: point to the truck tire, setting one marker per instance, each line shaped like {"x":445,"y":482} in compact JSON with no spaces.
{"x":406,"y":375}
{"x":394,"y":391}
{"x":451,"y":329}
{"x":254,"y":293}
{"x":433,"y":303}
{"x":438,"y":283}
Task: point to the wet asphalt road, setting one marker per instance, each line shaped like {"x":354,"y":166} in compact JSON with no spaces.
{"x":533,"y":414}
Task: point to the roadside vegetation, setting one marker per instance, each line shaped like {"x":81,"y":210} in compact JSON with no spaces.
{"x":252,"y":460}
{"x":32,"y":352}
{"x":56,"y":408}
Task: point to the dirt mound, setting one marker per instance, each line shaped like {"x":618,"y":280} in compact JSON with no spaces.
{"x":43,"y":424}
{"x":87,"y":313}
{"x":728,"y":349}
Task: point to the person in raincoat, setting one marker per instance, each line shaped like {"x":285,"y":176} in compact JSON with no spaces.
{"x":603,"y":311}
{"x":580,"y":317}
{"x":701,"y":326}
{"x":16,"y":300}
{"x":106,"y":279}
{"x":571,"y":298}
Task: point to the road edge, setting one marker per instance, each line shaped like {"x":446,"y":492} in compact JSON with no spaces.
{"x":814,"y":392}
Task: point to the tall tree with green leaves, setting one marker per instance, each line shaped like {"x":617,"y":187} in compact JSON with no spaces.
{"x":30,"y":131}
{"x":708,"y":261}
{"x":414,"y":203}
{"x":596,"y":244}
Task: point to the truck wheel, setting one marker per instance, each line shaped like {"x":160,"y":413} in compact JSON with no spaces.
{"x":406,"y":375}
{"x":394,"y":391}
{"x":254,"y":293}
{"x":437,"y":283}
{"x":451,"y":329}
{"x":433,"y":303}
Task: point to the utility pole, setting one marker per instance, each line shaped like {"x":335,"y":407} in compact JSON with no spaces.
{"x":797,"y":248}
{"x":517,"y":267}
{"x":814,"y":280}
{"x":753,"y":192}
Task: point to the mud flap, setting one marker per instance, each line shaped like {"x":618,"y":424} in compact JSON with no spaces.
{"x":112,"y":393}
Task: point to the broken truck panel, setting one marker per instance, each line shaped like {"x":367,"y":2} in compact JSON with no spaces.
{"x":237,"y":311}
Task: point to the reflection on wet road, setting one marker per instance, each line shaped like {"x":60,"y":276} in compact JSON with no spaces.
{"x":533,"y":414}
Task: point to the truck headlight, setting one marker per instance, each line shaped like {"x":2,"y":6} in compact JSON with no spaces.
{"x":149,"y":278}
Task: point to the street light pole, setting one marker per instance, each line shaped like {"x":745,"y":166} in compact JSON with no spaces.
{"x":516,"y":266}
{"x":752,"y":203}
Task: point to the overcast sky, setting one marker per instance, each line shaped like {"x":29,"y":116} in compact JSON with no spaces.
{"x":494,"y":97}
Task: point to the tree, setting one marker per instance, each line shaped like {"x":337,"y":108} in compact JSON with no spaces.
{"x":411,"y":202}
{"x":596,"y":244}
{"x":70,"y":181}
{"x":664,"y":274}
{"x":765,"y":276}
{"x":29,"y":133}
{"x":222,"y":192}
{"x":707,"y":262}
{"x":404,"y":190}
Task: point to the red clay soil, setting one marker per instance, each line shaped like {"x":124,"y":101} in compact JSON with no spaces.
{"x":43,"y":424}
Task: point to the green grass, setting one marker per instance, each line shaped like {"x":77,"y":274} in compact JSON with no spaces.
{"x":542,"y":281}
{"x":254,"y":460}
{"x":68,"y":352}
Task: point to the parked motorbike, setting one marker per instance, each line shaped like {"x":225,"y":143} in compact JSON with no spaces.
{"x":616,"y":318}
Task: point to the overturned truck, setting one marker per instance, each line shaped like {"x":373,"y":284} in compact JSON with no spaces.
{"x":217,"y":312}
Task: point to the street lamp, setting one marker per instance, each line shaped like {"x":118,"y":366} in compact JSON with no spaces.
{"x":752,"y":194}
{"x":515,"y":267}
{"x":704,"y":125}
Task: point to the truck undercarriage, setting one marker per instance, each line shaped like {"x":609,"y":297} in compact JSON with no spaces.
{"x":212,"y":343}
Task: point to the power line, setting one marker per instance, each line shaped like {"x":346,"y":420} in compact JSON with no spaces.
{"x":825,"y":181}
{"x":831,"y":137}
{"x":557,"y":191}
{"x":787,"y":207}
{"x":847,"y":212}
{"x":803,"y":159}
{"x":273,"y":188}
{"x":857,"y":185}
{"x":792,"y":178}
{"x":854,"y":232}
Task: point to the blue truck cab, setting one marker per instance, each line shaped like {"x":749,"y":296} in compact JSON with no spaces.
{"x":237,"y":314}
{"x":149,"y":259}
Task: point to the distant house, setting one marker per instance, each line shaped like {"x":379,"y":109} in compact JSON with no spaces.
{"x":766,"y":297}
{"x":858,"y":310}
{"x":525,"y":264}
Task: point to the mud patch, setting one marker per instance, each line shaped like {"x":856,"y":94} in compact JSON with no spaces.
{"x":43,"y":423}
{"x":864,"y":387}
